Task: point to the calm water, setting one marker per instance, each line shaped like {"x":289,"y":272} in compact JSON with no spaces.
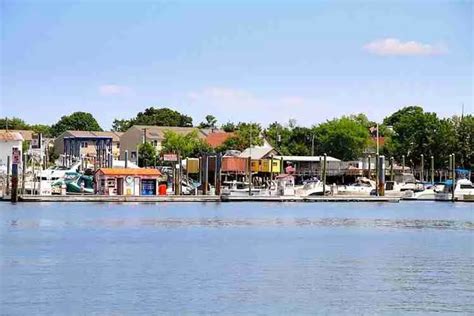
{"x":241,"y":258}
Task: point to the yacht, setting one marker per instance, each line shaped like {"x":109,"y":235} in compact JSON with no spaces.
{"x":362,"y":186}
{"x":312,"y":187}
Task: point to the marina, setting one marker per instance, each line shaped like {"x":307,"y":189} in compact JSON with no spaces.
{"x":234,"y":258}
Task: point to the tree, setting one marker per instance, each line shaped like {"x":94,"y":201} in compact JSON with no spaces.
{"x":463,"y":144}
{"x":187,"y":145}
{"x":291,"y":140}
{"x":343,"y":138}
{"x":416,"y":132}
{"x":13,"y":123}
{"x":162,"y":117}
{"x":45,"y":130}
{"x":77,"y":121}
{"x":228,"y":127}
{"x":210,"y":122}
{"x":146,"y":155}
{"x":121,"y":125}
{"x":245,"y":134}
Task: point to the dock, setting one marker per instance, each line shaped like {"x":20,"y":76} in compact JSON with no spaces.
{"x":200,"y":198}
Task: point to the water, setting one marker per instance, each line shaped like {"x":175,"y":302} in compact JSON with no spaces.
{"x":236,"y":258}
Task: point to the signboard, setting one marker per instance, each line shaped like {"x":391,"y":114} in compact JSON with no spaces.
{"x":16,"y":156}
{"x":170,"y":157}
{"x":36,"y":141}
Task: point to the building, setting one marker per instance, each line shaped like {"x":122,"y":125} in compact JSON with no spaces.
{"x":26,"y":134}
{"x":217,"y":138}
{"x":312,"y":165}
{"x":85,"y":144}
{"x":8,"y":140}
{"x":137,"y":134}
{"x":126,"y":181}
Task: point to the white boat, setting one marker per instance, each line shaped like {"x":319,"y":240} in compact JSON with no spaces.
{"x":312,"y":187}
{"x":237,"y":188}
{"x":362,"y":186}
{"x":464,"y":191}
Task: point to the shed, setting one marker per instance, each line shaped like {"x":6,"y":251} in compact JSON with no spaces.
{"x":127,"y":181}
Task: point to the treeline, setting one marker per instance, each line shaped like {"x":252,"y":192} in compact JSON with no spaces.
{"x":410,"y":131}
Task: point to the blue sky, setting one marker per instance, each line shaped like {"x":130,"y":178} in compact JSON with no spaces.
{"x":239,"y":60}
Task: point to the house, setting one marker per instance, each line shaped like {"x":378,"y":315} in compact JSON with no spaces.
{"x":312,"y":165}
{"x":9,"y":140}
{"x":127,"y":181}
{"x":85,"y":144}
{"x":261,"y":157}
{"x":217,"y":138}
{"x":138,"y":134}
{"x":26,"y":134}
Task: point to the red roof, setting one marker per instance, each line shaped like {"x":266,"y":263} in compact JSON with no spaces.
{"x":129,"y":172}
{"x":10,"y":136}
{"x":218,"y":138}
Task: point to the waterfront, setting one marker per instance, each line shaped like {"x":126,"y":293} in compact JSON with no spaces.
{"x":236,"y":258}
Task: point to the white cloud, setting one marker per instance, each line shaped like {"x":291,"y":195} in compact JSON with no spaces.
{"x":393,"y":46}
{"x":113,"y":89}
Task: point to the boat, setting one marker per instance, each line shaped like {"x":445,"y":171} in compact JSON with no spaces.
{"x":312,"y":187}
{"x":75,"y":183}
{"x":463,"y":191}
{"x":362,"y":186}
{"x":238,"y":188}
{"x":431,"y":192}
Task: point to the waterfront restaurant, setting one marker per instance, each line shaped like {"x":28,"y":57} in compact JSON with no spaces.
{"x":127,"y":181}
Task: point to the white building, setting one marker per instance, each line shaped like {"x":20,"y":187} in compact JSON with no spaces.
{"x":8,"y":140}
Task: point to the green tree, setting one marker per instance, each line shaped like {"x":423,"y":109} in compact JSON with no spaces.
{"x":121,"y":125}
{"x":13,"y":123}
{"x":147,"y":155}
{"x":416,"y":132}
{"x":45,"y":130}
{"x":343,"y":138}
{"x":78,"y":121}
{"x":228,"y":127}
{"x":210,"y":122}
{"x":245,"y":134}
{"x":463,"y":144}
{"x":187,"y":145}
{"x":162,"y":117}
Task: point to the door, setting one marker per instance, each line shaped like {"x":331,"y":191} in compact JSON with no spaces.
{"x":119,"y":186}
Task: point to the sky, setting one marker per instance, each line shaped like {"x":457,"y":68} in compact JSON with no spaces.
{"x":259,"y":61}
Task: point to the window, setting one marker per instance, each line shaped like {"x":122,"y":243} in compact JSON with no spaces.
{"x":133,"y":155}
{"x":466,"y":186}
{"x":118,"y":145}
{"x":84,"y":144}
{"x":154,"y":143}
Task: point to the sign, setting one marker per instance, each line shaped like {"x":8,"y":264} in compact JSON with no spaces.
{"x":16,"y":156}
{"x":36,"y":141}
{"x":170,"y":157}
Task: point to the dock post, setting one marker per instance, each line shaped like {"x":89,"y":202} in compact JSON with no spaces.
{"x":126,"y":158}
{"x":422,"y":178}
{"x":206,"y":174}
{"x":250,"y":175}
{"x":178,"y":176}
{"x":391,"y":168}
{"x":381,"y":175}
{"x":218,"y":173}
{"x":377,"y":174}
{"x":324,"y":173}
{"x":453,"y":170}
{"x":7,"y":190}
{"x":403,"y":163}
{"x":368,"y":161}
{"x":271,"y":169}
{"x":450,"y":165}
{"x":432,"y":170}
{"x":23,"y":171}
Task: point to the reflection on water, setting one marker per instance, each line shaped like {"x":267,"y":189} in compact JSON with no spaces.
{"x":258,"y":222}
{"x":121,"y":259}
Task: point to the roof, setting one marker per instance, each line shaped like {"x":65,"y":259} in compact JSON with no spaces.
{"x":91,"y":134}
{"x":158,"y":132}
{"x":216,"y":139}
{"x":129,"y":172}
{"x":10,"y":136}
{"x":306,"y":158}
{"x":26,"y":134}
{"x":256,"y":152}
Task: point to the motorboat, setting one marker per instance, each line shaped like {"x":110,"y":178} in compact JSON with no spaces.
{"x":362,"y":186}
{"x":463,"y":191}
{"x":312,"y":187}
{"x":237,"y":188}
{"x":431,"y":192}
{"x":74,"y":183}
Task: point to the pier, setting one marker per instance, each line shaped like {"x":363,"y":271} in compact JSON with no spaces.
{"x":202,"y":198}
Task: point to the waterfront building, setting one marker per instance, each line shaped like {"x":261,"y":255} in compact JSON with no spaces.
{"x":127,"y":181}
{"x":9,"y":140}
